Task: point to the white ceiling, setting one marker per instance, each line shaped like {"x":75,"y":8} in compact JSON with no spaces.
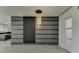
{"x":7,"y":11}
{"x":30,"y":10}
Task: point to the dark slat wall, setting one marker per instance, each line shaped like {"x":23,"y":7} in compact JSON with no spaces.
{"x":48,"y":31}
{"x":16,"y":29}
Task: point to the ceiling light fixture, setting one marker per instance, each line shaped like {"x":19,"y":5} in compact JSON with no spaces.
{"x":38,"y":11}
{"x":38,"y":18}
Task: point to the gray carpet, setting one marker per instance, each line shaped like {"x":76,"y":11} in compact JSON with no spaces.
{"x":32,"y":48}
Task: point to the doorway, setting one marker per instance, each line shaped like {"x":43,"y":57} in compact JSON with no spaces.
{"x":29,"y":29}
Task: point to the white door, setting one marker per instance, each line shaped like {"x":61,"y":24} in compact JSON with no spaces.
{"x":69,"y":34}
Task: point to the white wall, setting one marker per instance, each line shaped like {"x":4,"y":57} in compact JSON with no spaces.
{"x":5,"y":17}
{"x":6,"y":20}
{"x":74,"y":13}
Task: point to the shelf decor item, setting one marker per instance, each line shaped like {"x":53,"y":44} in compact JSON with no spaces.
{"x":3,"y":28}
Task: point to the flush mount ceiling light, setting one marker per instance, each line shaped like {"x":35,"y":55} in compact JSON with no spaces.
{"x":38,"y":11}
